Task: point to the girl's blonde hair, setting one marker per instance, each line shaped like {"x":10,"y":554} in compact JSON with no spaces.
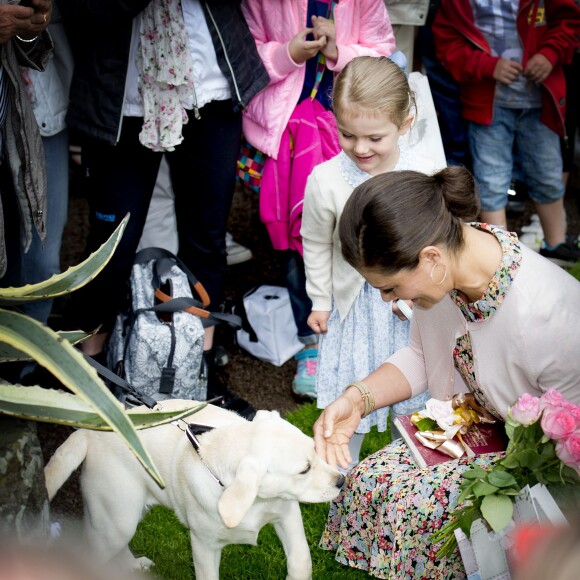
{"x":372,"y":85}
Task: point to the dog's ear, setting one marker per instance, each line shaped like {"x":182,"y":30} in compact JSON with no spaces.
{"x":239,"y":496}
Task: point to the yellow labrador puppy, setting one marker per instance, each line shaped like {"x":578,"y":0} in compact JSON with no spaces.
{"x":245,"y":475}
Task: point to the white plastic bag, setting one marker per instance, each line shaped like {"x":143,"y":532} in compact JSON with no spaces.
{"x":268,"y":328}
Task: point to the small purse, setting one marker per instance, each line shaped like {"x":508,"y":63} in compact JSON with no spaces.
{"x":250,"y":166}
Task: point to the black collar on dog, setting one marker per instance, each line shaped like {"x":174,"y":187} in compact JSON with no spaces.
{"x":193,"y":429}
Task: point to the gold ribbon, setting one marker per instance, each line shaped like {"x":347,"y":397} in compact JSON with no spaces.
{"x":469,"y":413}
{"x":467,"y":402}
{"x":437,"y":440}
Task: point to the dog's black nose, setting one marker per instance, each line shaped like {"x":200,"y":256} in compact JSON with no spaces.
{"x":340,"y":480}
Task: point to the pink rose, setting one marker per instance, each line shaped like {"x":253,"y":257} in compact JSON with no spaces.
{"x":568,"y":450}
{"x":553,"y":398}
{"x":558,"y":422}
{"x":527,"y":410}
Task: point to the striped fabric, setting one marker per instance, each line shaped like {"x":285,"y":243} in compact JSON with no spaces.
{"x":3,"y":103}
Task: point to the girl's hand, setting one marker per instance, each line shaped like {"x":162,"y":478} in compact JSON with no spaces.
{"x":301,"y":49}
{"x":324,"y":27}
{"x":335,"y":426}
{"x":317,"y":320}
{"x":397,"y":311}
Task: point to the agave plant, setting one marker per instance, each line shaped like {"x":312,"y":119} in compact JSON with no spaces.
{"x":90,"y":404}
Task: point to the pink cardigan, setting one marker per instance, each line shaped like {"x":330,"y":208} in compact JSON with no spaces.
{"x":362,"y":28}
{"x":529,"y":345}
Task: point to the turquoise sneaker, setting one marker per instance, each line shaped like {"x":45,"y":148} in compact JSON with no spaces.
{"x":304,"y":383}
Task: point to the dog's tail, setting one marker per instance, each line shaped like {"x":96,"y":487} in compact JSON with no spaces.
{"x":64,"y":461}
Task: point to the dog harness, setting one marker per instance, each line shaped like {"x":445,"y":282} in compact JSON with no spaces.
{"x":192,"y":430}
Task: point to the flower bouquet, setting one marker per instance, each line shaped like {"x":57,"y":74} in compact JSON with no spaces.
{"x":544,"y":447}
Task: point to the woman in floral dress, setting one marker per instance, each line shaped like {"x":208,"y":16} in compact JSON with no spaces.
{"x":488,"y":314}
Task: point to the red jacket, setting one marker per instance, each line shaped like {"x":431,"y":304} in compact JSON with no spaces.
{"x":548,"y":27}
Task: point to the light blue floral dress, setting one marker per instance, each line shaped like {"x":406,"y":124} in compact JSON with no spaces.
{"x":369,"y":333}
{"x":384,"y":517}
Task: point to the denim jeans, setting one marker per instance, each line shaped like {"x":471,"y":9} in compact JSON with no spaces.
{"x":538,"y":151}
{"x":299,"y":300}
{"x":43,"y":259}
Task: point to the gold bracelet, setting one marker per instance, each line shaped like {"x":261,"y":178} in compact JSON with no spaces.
{"x":367,"y":397}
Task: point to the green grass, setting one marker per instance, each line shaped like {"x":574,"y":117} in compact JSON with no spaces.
{"x":164,"y":540}
{"x":575,"y":271}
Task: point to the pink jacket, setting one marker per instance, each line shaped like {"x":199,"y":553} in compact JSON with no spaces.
{"x":362,"y":28}
{"x":310,"y":138}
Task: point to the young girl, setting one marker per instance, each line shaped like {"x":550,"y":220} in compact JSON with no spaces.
{"x":372,"y":102}
{"x":291,"y":36}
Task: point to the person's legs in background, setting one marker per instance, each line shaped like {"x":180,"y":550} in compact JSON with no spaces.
{"x":161,"y":225}
{"x":203,"y":174}
{"x":541,"y":162}
{"x":491,"y":149}
{"x":160,"y":230}
{"x":43,"y":259}
{"x":305,"y":379}
{"x":445,"y":91}
{"x":572,"y":116}
{"x":119,"y":180}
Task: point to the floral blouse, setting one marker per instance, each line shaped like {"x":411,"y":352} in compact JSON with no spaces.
{"x":485,"y":307}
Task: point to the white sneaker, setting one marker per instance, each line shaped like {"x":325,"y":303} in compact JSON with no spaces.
{"x":533,"y":234}
{"x":533,"y":240}
{"x":534,"y":226}
{"x":236,"y":252}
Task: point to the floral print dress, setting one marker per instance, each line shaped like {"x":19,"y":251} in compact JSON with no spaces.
{"x":388,"y":509}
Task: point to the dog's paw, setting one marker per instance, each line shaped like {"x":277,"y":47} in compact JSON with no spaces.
{"x":142,"y":563}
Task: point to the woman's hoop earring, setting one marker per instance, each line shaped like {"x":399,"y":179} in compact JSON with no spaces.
{"x":435,"y":266}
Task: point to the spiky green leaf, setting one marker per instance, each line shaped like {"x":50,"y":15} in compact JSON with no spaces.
{"x":52,"y":406}
{"x":68,"y":365}
{"x":10,"y":354}
{"x":75,"y":277}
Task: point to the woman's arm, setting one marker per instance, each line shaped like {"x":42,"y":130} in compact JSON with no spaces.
{"x":338,"y":422}
{"x":401,"y":377}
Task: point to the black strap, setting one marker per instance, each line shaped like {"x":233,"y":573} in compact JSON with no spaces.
{"x":192,"y":430}
{"x":164,"y":259}
{"x":121,"y":383}
{"x":240,"y":309}
{"x":179,"y":304}
{"x":198,"y":429}
{"x":167,"y":381}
